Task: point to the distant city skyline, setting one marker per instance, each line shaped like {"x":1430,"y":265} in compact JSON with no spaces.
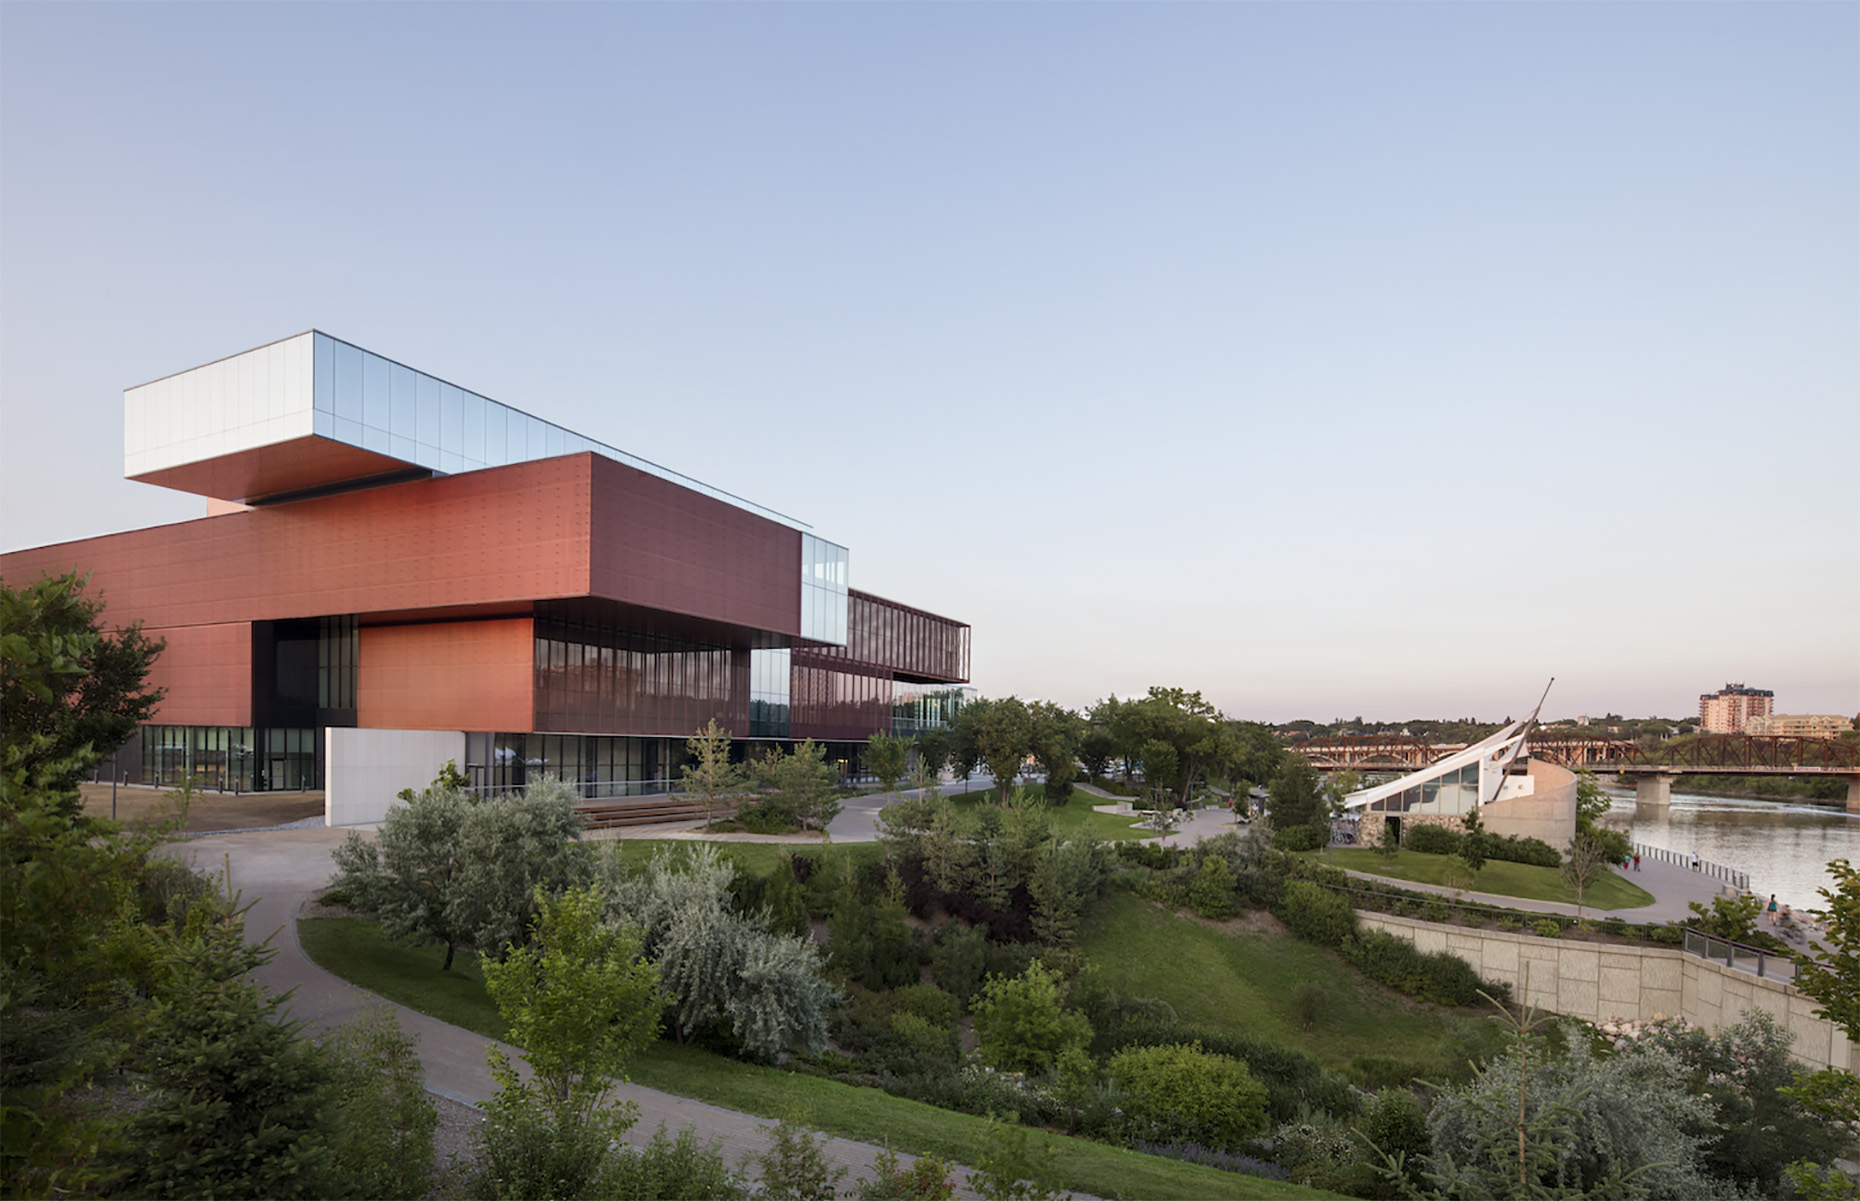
{"x":1380,"y":359}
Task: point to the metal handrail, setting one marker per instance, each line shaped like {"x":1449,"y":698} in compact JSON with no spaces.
{"x":1717,"y":871}
{"x":1698,"y":942}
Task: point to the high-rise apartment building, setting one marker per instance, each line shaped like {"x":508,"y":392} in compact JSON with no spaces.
{"x":1729,"y":710}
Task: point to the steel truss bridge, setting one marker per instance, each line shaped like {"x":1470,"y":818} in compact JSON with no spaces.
{"x":1718,"y":754}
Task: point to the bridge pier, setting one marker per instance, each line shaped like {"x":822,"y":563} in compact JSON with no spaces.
{"x":1658,"y":790}
{"x":1853,"y":794}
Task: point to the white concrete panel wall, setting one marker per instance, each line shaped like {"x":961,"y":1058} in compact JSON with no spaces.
{"x":364,"y":770}
{"x":249,"y":400}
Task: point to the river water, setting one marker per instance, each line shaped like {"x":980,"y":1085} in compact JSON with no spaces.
{"x":1785,"y":847}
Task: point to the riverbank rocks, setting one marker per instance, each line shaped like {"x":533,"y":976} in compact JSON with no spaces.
{"x":1622,"y":1031}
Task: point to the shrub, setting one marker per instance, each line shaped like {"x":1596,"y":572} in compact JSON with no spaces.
{"x":1532,"y":851}
{"x":959,"y":960}
{"x":1437,"y":977}
{"x":1396,"y":1126}
{"x":1547,"y":927}
{"x":1297,"y":838}
{"x":1021,"y":1025}
{"x":1666,"y":934}
{"x":926,"y":1180}
{"x":1212,"y":893}
{"x":678,"y":1169}
{"x":1315,"y":913}
{"x":1308,"y":1000}
{"x":1293,"y":1078}
{"x":1434,"y":840}
{"x":1183,"y":1092}
{"x":382,"y":1118}
{"x":794,"y":1167}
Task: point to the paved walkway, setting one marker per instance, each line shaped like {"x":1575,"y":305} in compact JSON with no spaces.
{"x":276,"y":870}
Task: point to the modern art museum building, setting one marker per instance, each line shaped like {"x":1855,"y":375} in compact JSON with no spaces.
{"x":396,"y":571}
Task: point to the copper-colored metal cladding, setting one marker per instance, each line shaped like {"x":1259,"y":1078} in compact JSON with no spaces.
{"x":468,"y":588}
{"x":458,"y":675}
{"x":504,"y":536}
{"x":207,"y":671}
{"x":300,"y":463}
{"x":884,"y":635}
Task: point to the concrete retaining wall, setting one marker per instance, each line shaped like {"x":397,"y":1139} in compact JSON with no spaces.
{"x":1597,"y":981}
{"x":364,"y":770}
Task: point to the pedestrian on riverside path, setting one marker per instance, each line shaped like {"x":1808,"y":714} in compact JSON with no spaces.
{"x":1695,"y":861}
{"x":1772,"y":909}
{"x":1636,"y":860}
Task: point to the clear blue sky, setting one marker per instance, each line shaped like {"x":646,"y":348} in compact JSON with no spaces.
{"x":1329,"y":358}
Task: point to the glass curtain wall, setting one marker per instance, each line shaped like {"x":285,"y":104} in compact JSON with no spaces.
{"x":770,"y":682}
{"x":596,"y":765}
{"x":232,"y":758}
{"x":882,"y":633}
{"x":365,"y":400}
{"x":1451,"y":792}
{"x":823,"y":590}
{"x":590,"y":677}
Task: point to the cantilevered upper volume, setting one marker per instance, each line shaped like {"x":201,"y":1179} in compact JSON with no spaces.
{"x":429,"y":573}
{"x":313,"y":412}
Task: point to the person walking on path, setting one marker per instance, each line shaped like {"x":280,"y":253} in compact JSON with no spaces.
{"x":1695,"y":861}
{"x":1772,"y":909}
{"x":1636,"y":860}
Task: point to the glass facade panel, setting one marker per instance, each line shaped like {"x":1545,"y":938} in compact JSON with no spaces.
{"x":769,"y":683}
{"x":595,"y":765}
{"x":823,"y":590}
{"x":604,"y":679}
{"x":231,"y":758}
{"x":886,"y":635}
{"x":451,"y":429}
{"x":405,"y":391}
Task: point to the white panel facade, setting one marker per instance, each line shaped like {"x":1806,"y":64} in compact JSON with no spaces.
{"x":253,"y":399}
{"x":364,"y":770}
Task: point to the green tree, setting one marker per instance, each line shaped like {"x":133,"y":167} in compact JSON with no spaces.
{"x":1831,"y":973}
{"x":1054,"y":744}
{"x":1585,"y":861}
{"x":72,"y":690}
{"x":932,"y":754}
{"x":886,"y":757}
{"x":1096,"y":750}
{"x":1760,"y":1125}
{"x":511,"y":848}
{"x":804,"y":780}
{"x":1022,"y":1024}
{"x":710,"y":774}
{"x":581,"y":1002}
{"x":1296,"y":796}
{"x":383,"y":1117}
{"x":405,"y":876}
{"x":1000,"y":733}
{"x":236,"y":1095}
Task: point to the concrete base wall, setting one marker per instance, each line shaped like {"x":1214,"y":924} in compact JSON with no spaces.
{"x":364,"y":770}
{"x":1547,"y":812}
{"x":1597,"y":981}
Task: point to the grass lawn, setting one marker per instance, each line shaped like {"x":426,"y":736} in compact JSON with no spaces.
{"x":1073,"y":818}
{"x":1501,"y":878}
{"x":1242,"y":982}
{"x":354,"y":949}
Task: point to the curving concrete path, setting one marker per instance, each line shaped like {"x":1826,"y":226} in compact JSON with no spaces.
{"x":276,"y":870}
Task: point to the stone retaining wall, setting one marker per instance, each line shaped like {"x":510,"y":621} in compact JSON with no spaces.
{"x":1597,"y":981}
